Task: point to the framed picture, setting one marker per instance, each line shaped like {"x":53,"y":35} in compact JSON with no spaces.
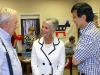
{"x":28,"y":20}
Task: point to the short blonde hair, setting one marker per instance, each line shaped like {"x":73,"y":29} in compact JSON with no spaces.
{"x":6,"y":14}
{"x":31,"y":28}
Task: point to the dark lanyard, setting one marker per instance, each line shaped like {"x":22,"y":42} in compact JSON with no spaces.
{"x":8,"y":59}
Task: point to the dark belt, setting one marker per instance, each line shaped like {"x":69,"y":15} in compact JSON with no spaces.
{"x":79,"y":73}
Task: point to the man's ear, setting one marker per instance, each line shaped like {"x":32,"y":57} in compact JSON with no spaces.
{"x":6,"y":23}
{"x":84,"y":17}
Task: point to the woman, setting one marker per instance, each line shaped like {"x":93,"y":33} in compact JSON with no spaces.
{"x":48,"y":52}
{"x":29,"y":38}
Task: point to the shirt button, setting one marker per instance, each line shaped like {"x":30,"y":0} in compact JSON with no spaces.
{"x":43,"y":63}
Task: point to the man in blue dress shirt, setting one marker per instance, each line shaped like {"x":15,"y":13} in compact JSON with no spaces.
{"x":87,"y":52}
{"x":8,"y":24}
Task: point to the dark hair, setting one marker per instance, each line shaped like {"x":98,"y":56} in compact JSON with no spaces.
{"x":71,"y":38}
{"x":83,"y":9}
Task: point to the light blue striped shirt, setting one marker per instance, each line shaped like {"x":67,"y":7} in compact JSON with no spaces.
{"x":88,"y":50}
{"x":4,"y":70}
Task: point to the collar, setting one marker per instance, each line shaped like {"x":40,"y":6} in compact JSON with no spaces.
{"x":5,"y":34}
{"x":88,"y":26}
{"x":55,"y":43}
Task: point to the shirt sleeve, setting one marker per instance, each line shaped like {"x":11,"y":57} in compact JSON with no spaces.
{"x":66,"y":43}
{"x":85,"y":48}
{"x":2,"y":57}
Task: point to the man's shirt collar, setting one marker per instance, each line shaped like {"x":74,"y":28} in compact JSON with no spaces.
{"x":89,"y":25}
{"x":5,"y":34}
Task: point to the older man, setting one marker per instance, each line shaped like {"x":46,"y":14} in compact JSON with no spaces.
{"x":8,"y":24}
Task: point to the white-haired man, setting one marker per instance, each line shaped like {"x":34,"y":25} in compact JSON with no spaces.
{"x":8,"y":24}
